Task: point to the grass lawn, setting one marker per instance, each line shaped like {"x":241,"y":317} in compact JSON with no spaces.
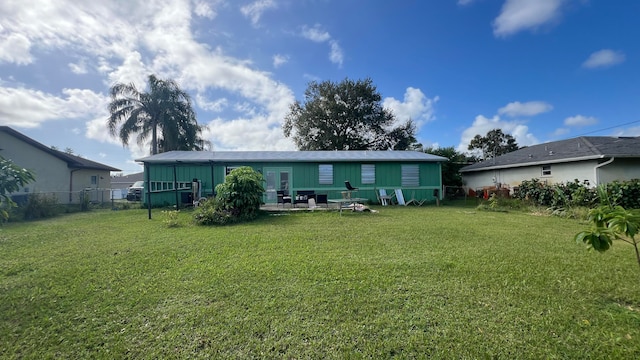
{"x":441,"y":282}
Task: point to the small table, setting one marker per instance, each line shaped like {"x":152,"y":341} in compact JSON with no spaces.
{"x":341,"y":202}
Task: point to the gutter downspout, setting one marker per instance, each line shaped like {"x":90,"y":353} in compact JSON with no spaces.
{"x":595,"y":169}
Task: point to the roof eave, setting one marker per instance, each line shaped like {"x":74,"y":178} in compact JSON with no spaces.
{"x":535,"y":163}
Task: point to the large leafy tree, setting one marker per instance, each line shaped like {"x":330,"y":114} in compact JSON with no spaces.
{"x":495,"y":143}
{"x":451,"y":169}
{"x":163,"y":114}
{"x":12,"y":177}
{"x":345,"y":116}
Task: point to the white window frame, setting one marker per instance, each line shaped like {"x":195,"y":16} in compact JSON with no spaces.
{"x":546,"y":170}
{"x":162,"y":186}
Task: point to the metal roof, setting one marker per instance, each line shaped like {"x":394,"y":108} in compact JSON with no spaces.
{"x":563,"y":151}
{"x":289,"y":156}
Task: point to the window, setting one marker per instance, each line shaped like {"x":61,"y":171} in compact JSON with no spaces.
{"x":410,"y":175}
{"x":325,"y":172}
{"x":157,"y":186}
{"x":546,"y":170}
{"x":94,"y":180}
{"x":368,"y":173}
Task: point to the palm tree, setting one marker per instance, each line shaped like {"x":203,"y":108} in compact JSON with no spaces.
{"x":164,"y":113}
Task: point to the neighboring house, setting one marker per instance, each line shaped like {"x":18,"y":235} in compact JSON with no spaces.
{"x":592,"y":160}
{"x":121,"y":183}
{"x":170,"y":174}
{"x":57,"y":173}
{"x":124,"y":181}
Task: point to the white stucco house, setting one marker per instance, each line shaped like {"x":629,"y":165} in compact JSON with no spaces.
{"x":592,"y":160}
{"x":56,"y":173}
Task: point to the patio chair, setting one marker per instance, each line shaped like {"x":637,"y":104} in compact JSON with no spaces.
{"x":349,"y":188}
{"x":384,"y":198}
{"x":414,"y":200}
{"x":400,"y":198}
{"x":283,"y":197}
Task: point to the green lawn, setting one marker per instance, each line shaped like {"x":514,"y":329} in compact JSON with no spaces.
{"x":441,"y":282}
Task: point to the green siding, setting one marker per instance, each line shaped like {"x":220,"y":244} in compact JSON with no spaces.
{"x":304,"y":176}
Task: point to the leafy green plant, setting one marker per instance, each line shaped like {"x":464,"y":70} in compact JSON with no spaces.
{"x":558,"y":198}
{"x":610,"y":222}
{"x":239,"y":199}
{"x":625,"y":193}
{"x":170,"y":218}
{"x":40,"y":206}
{"x":12,"y":177}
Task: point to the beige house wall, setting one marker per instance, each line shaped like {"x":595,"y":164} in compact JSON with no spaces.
{"x":53,"y":175}
{"x":509,"y":178}
{"x":620,"y":169}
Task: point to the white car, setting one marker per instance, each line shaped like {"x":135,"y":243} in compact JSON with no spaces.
{"x":134,"y":193}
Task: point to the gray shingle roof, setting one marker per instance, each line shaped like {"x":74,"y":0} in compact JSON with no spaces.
{"x":289,"y":156}
{"x":576,"y":149}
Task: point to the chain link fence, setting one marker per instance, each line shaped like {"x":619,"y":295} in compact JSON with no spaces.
{"x":36,"y":205}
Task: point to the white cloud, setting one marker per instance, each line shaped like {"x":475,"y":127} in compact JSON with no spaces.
{"x":482,"y":125}
{"x":315,"y":33}
{"x":464,"y":2}
{"x":632,"y":131}
{"x":604,"y":58}
{"x":28,"y":108}
{"x":279,"y":60}
{"x":14,"y":48}
{"x":255,"y":10}
{"x":518,"y":15}
{"x":127,"y":41}
{"x":246,"y":134}
{"x":203,"y":9}
{"x":560,"y":132}
{"x":79,"y":68}
{"x":415,"y":105}
{"x":336,"y":56}
{"x":580,"y":121}
{"x":215,"y":106}
{"x":530,"y":108}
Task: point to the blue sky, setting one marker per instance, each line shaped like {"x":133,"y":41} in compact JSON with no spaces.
{"x":541,"y":70}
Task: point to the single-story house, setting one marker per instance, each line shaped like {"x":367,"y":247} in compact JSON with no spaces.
{"x":124,"y":181}
{"x":121,"y":183}
{"x":56,"y":173}
{"x":592,"y":160}
{"x":169,"y":175}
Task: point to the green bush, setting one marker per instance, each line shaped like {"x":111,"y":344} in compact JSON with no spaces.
{"x":209,"y":214}
{"x":40,"y":206}
{"x":557,"y":196}
{"x":238,"y":200}
{"x":625,"y":193}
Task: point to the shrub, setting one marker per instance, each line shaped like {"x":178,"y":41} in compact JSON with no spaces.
{"x":625,"y":193}
{"x":171,"y":218}
{"x":208,"y":214}
{"x":557,"y":196}
{"x":239,"y":199}
{"x":40,"y":206}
